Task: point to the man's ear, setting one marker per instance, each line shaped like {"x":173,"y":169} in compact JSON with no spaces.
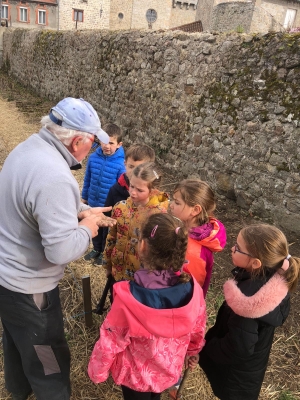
{"x":75,"y":142}
{"x":256,"y":263}
{"x":196,"y":210}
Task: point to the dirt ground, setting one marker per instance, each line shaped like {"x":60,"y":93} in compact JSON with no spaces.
{"x":20,"y":112}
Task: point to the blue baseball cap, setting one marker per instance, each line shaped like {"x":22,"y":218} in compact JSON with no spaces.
{"x":79,"y":115}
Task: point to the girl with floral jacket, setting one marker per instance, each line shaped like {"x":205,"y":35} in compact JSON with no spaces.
{"x":120,"y":254}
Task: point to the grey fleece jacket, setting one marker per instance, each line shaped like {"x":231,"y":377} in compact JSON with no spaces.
{"x":40,"y":201}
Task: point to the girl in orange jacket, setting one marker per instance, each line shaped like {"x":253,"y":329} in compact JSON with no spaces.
{"x":194,"y":203}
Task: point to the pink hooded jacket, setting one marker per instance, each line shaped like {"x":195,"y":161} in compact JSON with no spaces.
{"x":144,"y":348}
{"x":204,"y":241}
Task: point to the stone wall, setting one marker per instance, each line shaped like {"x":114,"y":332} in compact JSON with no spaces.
{"x":225,"y":107}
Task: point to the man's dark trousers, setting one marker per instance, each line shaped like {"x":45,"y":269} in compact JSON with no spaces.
{"x":36,"y":354}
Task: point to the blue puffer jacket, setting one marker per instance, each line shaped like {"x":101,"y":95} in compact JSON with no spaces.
{"x":101,"y":173}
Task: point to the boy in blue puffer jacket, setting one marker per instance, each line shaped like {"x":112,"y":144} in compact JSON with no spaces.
{"x":104,"y":167}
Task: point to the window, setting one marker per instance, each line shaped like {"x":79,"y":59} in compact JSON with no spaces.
{"x":151,"y":15}
{"x":78,"y":15}
{"x":120,"y":15}
{"x":23,"y":14}
{"x":290,"y":17}
{"x":4,"y":13}
{"x":41,"y":17}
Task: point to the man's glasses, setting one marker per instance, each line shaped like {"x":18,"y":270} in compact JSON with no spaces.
{"x":237,"y":250}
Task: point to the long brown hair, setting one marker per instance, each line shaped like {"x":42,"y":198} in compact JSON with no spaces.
{"x":167,"y":241}
{"x":270,"y":246}
{"x":195,"y":191}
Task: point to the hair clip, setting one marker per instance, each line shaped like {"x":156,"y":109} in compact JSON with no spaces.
{"x":153,"y":231}
{"x":177,"y":230}
{"x":286,"y":263}
{"x":155,"y":174}
{"x":178,"y":273}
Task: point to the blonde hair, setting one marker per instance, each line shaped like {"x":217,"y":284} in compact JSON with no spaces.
{"x":167,"y":240}
{"x":149,"y":173}
{"x":195,"y":191}
{"x":270,"y":246}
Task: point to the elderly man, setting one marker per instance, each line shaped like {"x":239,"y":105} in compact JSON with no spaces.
{"x":43,"y":226}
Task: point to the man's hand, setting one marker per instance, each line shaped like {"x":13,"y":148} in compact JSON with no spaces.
{"x":93,"y":222}
{"x":98,"y":211}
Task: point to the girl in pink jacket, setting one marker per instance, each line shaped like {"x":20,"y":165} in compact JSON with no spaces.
{"x":156,"y":321}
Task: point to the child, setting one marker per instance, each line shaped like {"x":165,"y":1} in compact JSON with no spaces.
{"x":194,"y":203}
{"x":136,"y":154}
{"x":120,"y":255}
{"x":155,"y":321}
{"x":257,"y":300}
{"x":104,"y":168}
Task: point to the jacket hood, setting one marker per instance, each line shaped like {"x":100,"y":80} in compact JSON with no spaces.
{"x":123,"y":181}
{"x":157,"y":198}
{"x":48,"y":137}
{"x":211,"y":235}
{"x":147,"y":321}
{"x":119,"y":153}
{"x":264,"y":301}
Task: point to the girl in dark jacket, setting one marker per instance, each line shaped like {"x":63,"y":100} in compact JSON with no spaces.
{"x":257,"y":300}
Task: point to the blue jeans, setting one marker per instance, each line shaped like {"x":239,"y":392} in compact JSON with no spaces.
{"x":36,"y":354}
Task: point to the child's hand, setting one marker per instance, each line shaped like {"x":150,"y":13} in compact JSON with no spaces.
{"x":191,"y":361}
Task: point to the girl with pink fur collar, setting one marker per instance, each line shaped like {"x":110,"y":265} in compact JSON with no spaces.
{"x":257,"y":300}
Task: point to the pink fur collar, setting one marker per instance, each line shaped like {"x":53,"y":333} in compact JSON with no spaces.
{"x":268,"y":297}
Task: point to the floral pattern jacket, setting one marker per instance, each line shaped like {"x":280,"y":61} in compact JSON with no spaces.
{"x":120,"y":254}
{"x":144,"y":348}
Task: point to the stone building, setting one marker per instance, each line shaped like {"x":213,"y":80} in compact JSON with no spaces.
{"x":215,"y":15}
{"x":98,"y":14}
{"x":126,"y":14}
{"x":29,"y":13}
{"x":249,"y":16}
{"x":153,"y":14}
